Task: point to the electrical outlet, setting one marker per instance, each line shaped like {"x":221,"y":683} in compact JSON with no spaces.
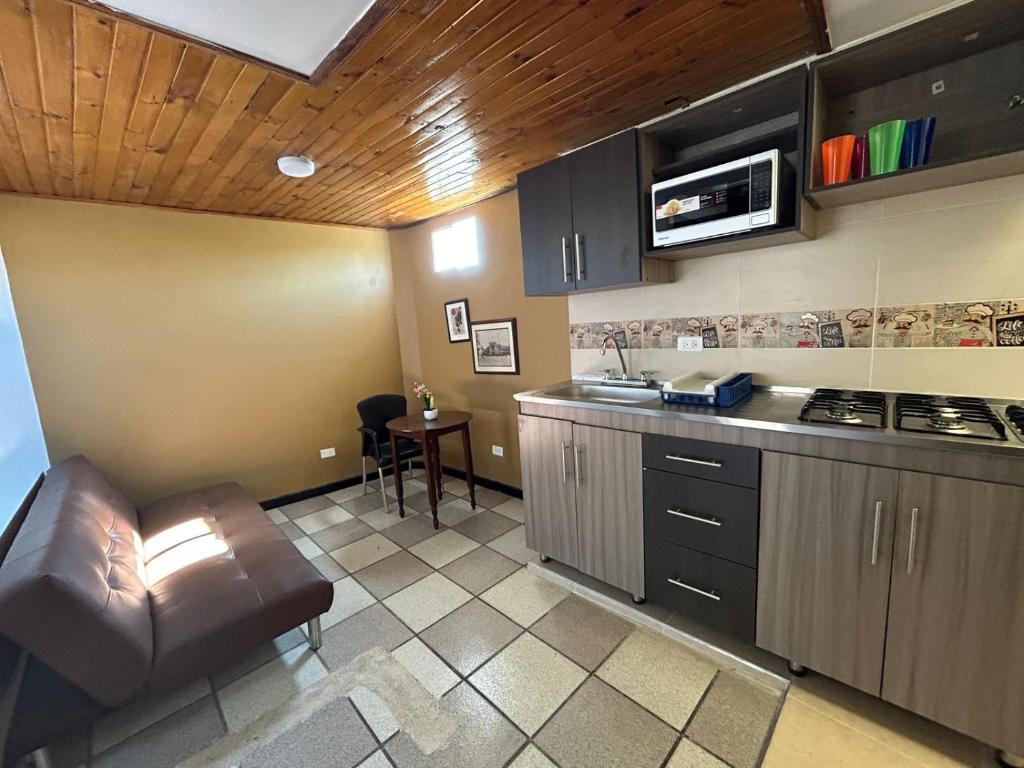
{"x":689,"y":344}
{"x":327,"y":453}
{"x":938,"y":87}
{"x":497,"y":450}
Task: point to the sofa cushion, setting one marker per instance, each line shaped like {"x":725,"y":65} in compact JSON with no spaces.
{"x":72,"y":588}
{"x":223,"y":579}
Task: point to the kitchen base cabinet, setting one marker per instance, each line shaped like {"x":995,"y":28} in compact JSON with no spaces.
{"x":549,"y":489}
{"x":955,"y":643}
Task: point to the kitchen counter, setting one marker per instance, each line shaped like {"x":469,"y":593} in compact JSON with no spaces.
{"x":777,"y":410}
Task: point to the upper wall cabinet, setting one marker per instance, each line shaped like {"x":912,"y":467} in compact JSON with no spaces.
{"x":964,"y":67}
{"x":580,"y":220}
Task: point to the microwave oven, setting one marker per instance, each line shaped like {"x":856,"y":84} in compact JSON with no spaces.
{"x":738,"y":196}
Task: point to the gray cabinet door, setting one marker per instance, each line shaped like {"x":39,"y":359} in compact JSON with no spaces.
{"x":824,"y":562}
{"x":549,"y":493}
{"x":610,"y":506}
{"x":545,"y":225}
{"x":955,"y":647}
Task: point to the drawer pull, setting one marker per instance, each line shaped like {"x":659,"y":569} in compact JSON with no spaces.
{"x":696,"y":518}
{"x":688,"y":460}
{"x":702,"y":592}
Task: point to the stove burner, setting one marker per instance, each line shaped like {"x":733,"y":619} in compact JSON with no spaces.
{"x":958,"y":416}
{"x":849,"y":408}
{"x":1015,"y":414}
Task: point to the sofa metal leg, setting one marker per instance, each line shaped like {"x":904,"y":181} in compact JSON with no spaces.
{"x":383,"y":491}
{"x":315,"y":637}
{"x":410,"y":469}
{"x":364,"y":475}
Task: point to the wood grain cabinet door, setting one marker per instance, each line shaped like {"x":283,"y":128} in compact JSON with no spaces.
{"x":610,"y":506}
{"x":955,"y":646}
{"x":545,"y":225}
{"x":549,"y":492}
{"x":825,"y":554}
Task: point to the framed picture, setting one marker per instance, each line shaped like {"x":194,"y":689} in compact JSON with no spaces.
{"x":456,"y":314}
{"x":495,"y":346}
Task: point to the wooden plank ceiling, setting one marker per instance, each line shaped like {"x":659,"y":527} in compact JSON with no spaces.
{"x":440,"y":104}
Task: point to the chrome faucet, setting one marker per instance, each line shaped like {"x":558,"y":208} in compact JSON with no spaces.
{"x":618,"y":348}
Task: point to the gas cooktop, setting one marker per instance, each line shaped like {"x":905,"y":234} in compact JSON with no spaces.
{"x":846,"y":407}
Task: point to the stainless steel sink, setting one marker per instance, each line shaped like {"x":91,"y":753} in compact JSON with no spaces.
{"x":602,"y":393}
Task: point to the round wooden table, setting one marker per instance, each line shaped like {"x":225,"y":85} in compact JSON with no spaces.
{"x":426,"y":433}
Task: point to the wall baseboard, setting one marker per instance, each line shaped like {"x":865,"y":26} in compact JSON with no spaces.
{"x":348,"y":482}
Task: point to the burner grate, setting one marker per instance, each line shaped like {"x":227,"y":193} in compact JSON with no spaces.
{"x":955,"y":416}
{"x":846,"y":407}
{"x":1015,"y":414}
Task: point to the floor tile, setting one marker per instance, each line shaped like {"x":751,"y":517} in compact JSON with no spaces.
{"x":512,"y":509}
{"x":455,"y":486}
{"x":734,"y":719}
{"x":323,"y":518}
{"x":524,"y":597}
{"x":481,"y":569}
{"x":367,"y":551}
{"x":412,"y":531}
{"x":485,"y":497}
{"x":169,"y":741}
{"x":393,"y":573}
{"x":375,"y":712}
{"x":659,"y":674}
{"x":600,"y":726}
{"x":379,"y":520}
{"x":445,"y":547}
{"x":426,"y":667}
{"x":454,"y":511}
{"x":332,"y":737}
{"x":362,"y":505}
{"x":305,"y":507}
{"x":375,"y":627}
{"x":291,"y":530}
{"x":329,"y":567}
{"x":528,"y":681}
{"x":139,"y":715}
{"x":482,"y":737}
{"x":584,"y":632}
{"x":513,"y":545}
{"x":265,"y":653}
{"x":421,"y":604}
{"x":531,"y":757}
{"x":485,"y":526}
{"x":277,"y":516}
{"x":377,"y":760}
{"x":418,"y":501}
{"x":346,"y":493}
{"x":308,"y":547}
{"x":470,"y":635}
{"x":349,"y":598}
{"x":689,"y":755}
{"x":409,"y":487}
{"x":265,"y":688}
{"x":338,"y":536}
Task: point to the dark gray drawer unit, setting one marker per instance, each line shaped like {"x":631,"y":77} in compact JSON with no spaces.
{"x":701,"y":511}
{"x":715,"y":592}
{"x":734,"y":464}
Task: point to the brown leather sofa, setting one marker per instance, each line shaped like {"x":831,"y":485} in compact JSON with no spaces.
{"x":104,"y":603}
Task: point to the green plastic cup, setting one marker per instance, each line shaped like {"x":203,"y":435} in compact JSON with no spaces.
{"x":886,"y":139}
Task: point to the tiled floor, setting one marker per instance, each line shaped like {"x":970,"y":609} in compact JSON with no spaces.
{"x":532,"y":675}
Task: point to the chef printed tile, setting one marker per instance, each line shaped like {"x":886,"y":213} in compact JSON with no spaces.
{"x":658,"y":334}
{"x":799,"y":330}
{"x":964,"y":324}
{"x":727,"y":328}
{"x":1008,"y":324}
{"x":760,"y":331}
{"x":579,"y":334}
{"x":905,"y":326}
{"x":856,"y":329}
{"x":629,"y":333}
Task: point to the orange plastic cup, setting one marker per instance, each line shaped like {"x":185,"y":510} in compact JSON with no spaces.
{"x":837,"y":158}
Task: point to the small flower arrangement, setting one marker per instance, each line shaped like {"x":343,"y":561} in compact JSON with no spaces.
{"x":420,"y":390}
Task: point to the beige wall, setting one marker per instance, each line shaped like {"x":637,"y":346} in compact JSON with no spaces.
{"x":177,"y":349}
{"x":494,"y":290}
{"x":962,"y":244}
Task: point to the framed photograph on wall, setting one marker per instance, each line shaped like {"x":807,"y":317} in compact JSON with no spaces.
{"x":495,"y":346}
{"x":456,"y":314}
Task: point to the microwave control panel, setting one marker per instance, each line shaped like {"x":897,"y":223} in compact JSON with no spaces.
{"x":761,"y":186}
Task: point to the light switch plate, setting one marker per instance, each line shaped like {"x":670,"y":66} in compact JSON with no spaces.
{"x":689,"y":343}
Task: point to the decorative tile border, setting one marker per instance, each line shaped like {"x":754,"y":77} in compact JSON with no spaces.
{"x":989,"y":323}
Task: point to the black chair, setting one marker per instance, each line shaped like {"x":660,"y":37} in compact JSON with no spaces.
{"x":375,"y":412}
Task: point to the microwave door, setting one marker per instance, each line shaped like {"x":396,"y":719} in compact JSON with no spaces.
{"x":707,"y":207}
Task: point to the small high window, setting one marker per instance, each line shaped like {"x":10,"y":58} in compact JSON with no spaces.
{"x":455,"y":246}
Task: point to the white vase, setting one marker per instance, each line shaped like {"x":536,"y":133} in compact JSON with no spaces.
{"x":430,"y":415}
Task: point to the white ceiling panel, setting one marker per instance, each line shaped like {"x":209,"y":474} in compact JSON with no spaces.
{"x":850,"y":20}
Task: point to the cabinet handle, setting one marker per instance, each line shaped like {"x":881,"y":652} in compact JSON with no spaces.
{"x":696,"y":518}
{"x":688,"y":460}
{"x":581,"y":271}
{"x":565,"y":476}
{"x":576,"y":462}
{"x":913,"y":541}
{"x":566,"y":271}
{"x":874,"y":538}
{"x":712,"y":595}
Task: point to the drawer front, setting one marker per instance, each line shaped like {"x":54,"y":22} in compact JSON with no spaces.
{"x":735,"y":464}
{"x":706,"y":589}
{"x":713,"y":518}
